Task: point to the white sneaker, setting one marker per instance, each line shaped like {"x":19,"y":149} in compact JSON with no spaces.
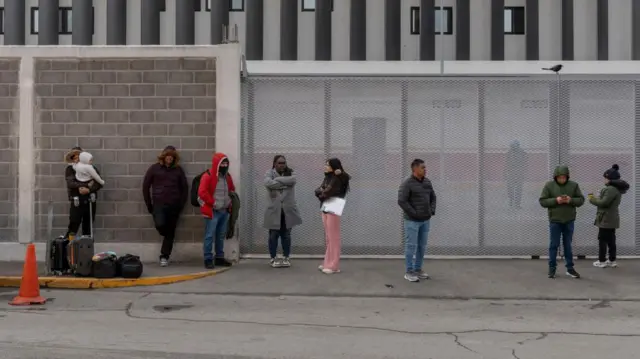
{"x":422,"y":275}
{"x":612,"y":264}
{"x":164,"y":262}
{"x":599,"y":264}
{"x":286,"y":262}
{"x":275,"y":263}
{"x":330,"y":271}
{"x":321,"y":268}
{"x":411,"y":277}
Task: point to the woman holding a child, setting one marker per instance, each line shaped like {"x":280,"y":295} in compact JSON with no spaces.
{"x":83,"y":179}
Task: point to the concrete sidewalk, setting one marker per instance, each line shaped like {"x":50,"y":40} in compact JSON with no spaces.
{"x":153,"y":274}
{"x":458,"y":279}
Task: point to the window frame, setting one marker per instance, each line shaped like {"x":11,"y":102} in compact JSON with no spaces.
{"x":62,"y":20}
{"x":415,"y":18}
{"x":515,"y":29}
{"x":207,"y":6}
{"x":1,"y":20}
{"x":308,"y":9}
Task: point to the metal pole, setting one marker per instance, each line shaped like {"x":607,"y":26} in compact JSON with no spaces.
{"x":559,"y":120}
{"x":442,"y":122}
{"x":441,"y":37}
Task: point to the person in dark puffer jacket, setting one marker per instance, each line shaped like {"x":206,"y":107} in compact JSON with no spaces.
{"x":417,"y":199}
{"x":608,"y":215}
{"x":165,"y":191}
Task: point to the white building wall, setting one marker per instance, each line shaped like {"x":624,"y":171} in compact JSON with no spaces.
{"x":585,"y":22}
{"x":620,"y":30}
{"x":480,"y":30}
{"x":550,"y":27}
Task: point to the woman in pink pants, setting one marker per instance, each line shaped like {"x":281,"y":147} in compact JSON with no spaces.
{"x":335,"y":184}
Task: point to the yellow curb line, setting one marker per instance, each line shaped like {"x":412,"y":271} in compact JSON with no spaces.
{"x":97,"y":283}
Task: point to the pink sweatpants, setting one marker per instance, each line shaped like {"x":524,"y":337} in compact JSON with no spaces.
{"x":331,"y":224}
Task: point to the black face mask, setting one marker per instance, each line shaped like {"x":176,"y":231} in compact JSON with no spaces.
{"x":223,"y":170}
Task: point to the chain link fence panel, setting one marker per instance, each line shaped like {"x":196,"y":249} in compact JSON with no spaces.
{"x":490,"y":144}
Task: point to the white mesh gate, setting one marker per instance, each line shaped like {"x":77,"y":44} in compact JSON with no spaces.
{"x":489,"y":144}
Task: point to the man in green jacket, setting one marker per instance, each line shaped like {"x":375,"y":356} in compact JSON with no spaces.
{"x":608,"y":215}
{"x":561,"y":197}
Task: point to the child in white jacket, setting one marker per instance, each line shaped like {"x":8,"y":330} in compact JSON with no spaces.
{"x":85,"y":171}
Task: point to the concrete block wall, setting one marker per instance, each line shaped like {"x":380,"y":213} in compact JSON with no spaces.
{"x":123,"y":111}
{"x":124,"y":105}
{"x":9,"y":80}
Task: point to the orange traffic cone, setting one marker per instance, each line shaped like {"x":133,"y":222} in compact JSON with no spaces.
{"x":29,"y":286}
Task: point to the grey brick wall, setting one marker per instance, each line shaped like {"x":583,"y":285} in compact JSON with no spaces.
{"x":123,"y":111}
{"x":9,"y":127}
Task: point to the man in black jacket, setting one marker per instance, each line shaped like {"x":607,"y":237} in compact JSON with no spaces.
{"x":417,"y":199}
{"x":79,"y":197}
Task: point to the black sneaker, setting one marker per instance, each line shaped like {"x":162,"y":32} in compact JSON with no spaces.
{"x":552,"y":272}
{"x":573,"y":274}
{"x":208,"y":264}
{"x":221,"y":262}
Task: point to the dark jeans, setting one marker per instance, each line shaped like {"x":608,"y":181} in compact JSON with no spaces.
{"x":285,"y":238}
{"x":607,"y":239}
{"x":561,"y":232}
{"x":166,"y":218}
{"x":81,"y":215}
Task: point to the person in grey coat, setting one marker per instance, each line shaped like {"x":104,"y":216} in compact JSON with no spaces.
{"x":282,"y":213}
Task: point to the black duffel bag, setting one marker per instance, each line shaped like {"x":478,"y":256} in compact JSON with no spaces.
{"x":129,"y":266}
{"x":105,"y":268}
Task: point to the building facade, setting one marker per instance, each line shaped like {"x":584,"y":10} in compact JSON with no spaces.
{"x":478,"y":30}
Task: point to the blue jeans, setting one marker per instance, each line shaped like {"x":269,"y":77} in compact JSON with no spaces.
{"x":216,"y":226}
{"x":415,"y":243}
{"x":556,"y":232}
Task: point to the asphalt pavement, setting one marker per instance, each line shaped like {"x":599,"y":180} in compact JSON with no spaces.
{"x":450,"y":279}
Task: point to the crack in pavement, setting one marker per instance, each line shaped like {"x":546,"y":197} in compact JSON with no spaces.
{"x":542,"y":335}
{"x":513,"y":353}
{"x":458,"y":343}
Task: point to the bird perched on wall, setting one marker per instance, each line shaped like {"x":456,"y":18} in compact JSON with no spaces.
{"x":555,"y":68}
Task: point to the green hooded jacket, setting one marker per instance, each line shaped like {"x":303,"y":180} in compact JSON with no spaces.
{"x":561,"y":213}
{"x":608,"y":215}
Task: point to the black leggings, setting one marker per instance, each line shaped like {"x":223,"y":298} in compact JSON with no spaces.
{"x":607,"y":240}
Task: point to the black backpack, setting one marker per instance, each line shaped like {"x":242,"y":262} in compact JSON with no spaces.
{"x":195,"y":185}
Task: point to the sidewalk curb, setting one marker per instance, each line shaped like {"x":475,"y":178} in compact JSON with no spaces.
{"x":97,"y":283}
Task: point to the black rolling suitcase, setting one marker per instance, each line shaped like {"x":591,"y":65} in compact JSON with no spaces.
{"x":56,"y":259}
{"x":80,"y":250}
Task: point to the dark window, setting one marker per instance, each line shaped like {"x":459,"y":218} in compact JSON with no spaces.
{"x":514,"y":20}
{"x":162,"y":5}
{"x":446,"y":18}
{"x":1,"y":20}
{"x":414,"y":20}
{"x":65,"y":21}
{"x":234,"y":5}
{"x":310,"y":5}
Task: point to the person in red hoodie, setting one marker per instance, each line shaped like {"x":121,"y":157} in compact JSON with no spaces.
{"x":215,"y":205}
